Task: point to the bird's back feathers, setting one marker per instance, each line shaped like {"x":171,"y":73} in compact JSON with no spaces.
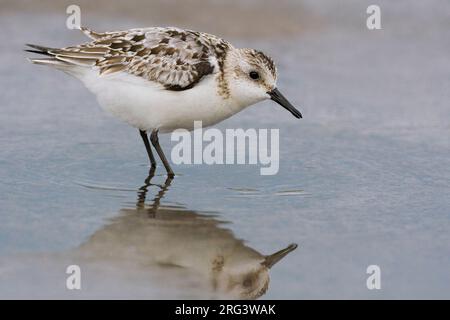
{"x":175,"y":58}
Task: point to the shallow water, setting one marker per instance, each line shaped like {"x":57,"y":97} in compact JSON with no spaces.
{"x":363,"y":178}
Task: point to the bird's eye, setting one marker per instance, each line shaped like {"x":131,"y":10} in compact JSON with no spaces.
{"x":247,"y":283}
{"x":254,"y":75}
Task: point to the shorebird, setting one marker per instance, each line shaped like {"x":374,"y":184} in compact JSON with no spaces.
{"x":162,"y":79}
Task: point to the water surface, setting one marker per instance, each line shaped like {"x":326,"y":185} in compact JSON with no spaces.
{"x":363,"y":178}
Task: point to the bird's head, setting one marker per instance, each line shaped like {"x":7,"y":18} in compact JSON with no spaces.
{"x":247,"y":278}
{"x":252,"y":77}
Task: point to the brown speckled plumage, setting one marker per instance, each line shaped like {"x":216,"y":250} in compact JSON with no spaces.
{"x":259,"y":58}
{"x":175,"y":58}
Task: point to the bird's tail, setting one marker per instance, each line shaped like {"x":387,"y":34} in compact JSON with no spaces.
{"x":71,"y":57}
{"x":39,"y":49}
{"x":46,"y":51}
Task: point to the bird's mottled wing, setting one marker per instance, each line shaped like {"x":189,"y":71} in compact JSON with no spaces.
{"x":174,"y":58}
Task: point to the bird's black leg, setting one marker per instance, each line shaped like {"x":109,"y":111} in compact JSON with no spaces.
{"x":147,"y":146}
{"x":142,"y":193}
{"x":155,"y":141}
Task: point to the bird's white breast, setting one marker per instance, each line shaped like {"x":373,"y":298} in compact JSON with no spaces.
{"x":147,"y":106}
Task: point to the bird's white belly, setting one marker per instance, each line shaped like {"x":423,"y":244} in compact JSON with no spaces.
{"x":149,"y":106}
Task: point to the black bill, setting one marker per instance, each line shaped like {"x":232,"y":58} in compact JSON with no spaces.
{"x":270,"y":260}
{"x":276,"y":96}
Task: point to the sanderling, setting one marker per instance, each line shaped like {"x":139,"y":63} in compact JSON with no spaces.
{"x":162,"y":79}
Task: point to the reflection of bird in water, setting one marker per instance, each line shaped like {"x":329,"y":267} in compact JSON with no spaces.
{"x":171,"y":238}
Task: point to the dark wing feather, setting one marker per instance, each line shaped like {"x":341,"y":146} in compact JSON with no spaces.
{"x":177,"y":59}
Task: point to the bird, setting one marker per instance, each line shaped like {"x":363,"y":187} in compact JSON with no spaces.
{"x":160,"y":79}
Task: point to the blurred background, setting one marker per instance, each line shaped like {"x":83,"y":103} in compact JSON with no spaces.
{"x":364,"y":178}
